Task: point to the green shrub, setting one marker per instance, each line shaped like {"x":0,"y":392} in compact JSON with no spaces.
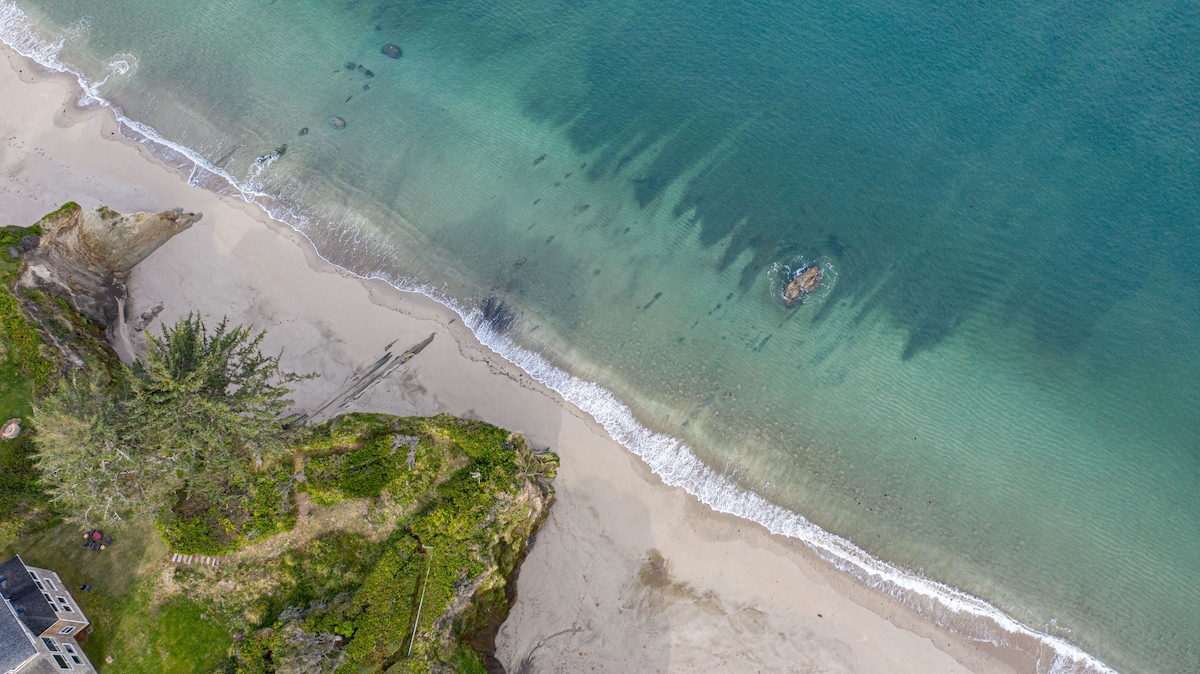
{"x":366,"y":471}
{"x":22,"y":342}
{"x":468,"y":537}
{"x":359,"y":457}
{"x":224,"y":513}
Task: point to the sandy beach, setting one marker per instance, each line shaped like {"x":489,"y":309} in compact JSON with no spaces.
{"x":627,"y":575}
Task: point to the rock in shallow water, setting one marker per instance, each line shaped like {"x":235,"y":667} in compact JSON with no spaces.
{"x":391,"y":51}
{"x":337,"y":122}
{"x":271,"y":157}
{"x":497,"y":314}
{"x":808,"y":280}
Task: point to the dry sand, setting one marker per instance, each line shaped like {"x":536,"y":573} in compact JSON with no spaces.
{"x":724,"y":596}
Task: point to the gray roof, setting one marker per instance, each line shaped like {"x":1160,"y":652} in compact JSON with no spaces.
{"x":15,"y":648}
{"x":17,"y":587}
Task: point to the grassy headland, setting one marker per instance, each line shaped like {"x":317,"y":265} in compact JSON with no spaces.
{"x":367,"y":543}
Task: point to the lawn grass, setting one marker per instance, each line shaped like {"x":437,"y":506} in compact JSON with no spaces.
{"x":177,"y":636}
{"x":126,"y":625}
{"x":113,"y":573}
{"x":142,"y":637}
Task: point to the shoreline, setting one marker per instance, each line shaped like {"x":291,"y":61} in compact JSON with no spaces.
{"x":239,"y":261}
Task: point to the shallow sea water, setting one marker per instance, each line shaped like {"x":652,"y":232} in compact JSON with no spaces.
{"x":997,"y":386}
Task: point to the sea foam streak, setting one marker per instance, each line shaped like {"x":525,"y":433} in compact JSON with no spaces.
{"x":669,"y":458}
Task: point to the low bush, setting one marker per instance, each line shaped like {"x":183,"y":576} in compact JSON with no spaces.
{"x":219,"y":516}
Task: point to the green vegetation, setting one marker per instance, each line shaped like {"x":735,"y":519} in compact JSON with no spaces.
{"x":367,"y":543}
{"x":24,"y":370}
{"x":37,"y":332}
{"x":468,"y":496}
{"x":143,"y":633}
{"x":468,"y":506}
{"x":361,"y":455}
{"x":176,"y":436}
{"x":22,"y":367}
{"x":66,"y":209}
{"x":252,"y":505}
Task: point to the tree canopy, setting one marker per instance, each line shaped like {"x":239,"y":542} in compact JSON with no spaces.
{"x":200,"y":407}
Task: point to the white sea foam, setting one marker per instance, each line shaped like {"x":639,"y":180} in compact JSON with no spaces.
{"x":668,"y":457}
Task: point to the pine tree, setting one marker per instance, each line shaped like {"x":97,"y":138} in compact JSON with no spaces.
{"x":197,"y":409}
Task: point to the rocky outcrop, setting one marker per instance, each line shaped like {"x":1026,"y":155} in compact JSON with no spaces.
{"x":84,"y":257}
{"x":808,"y":280}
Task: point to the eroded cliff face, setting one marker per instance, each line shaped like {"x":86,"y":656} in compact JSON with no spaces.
{"x":85,"y":256}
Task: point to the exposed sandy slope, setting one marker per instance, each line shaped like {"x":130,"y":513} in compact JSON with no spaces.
{"x":729,"y":596}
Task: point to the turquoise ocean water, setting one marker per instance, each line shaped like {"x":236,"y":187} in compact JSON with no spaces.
{"x":998,"y":387}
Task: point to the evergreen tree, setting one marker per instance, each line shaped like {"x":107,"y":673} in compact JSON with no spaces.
{"x":90,"y":469}
{"x":197,"y":409}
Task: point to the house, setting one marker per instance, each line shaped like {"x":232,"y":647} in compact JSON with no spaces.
{"x":39,"y":623}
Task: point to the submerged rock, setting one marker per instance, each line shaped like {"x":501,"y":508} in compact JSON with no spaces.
{"x":303,"y":132}
{"x":337,"y":122}
{"x":85,"y":256}
{"x":351,"y":65}
{"x":496,"y":314}
{"x":368,"y":73}
{"x":272,"y":156}
{"x":391,"y":51}
{"x":808,"y":280}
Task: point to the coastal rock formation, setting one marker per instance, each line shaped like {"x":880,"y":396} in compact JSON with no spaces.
{"x":337,"y":122}
{"x":391,"y":51}
{"x":271,"y":157}
{"x":84,"y":257}
{"x":808,"y":280}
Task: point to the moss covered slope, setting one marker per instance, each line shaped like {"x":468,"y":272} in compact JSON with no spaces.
{"x":445,"y":509}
